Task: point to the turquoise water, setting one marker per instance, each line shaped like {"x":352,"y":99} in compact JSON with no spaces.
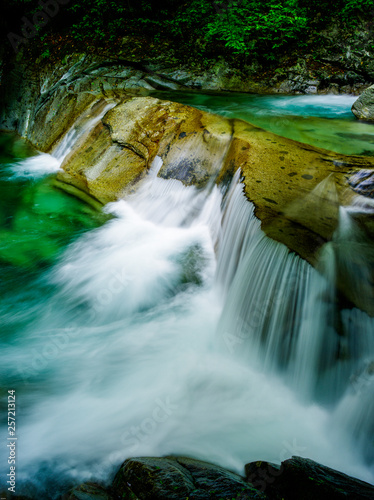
{"x":37,"y":222}
{"x":323,"y":121}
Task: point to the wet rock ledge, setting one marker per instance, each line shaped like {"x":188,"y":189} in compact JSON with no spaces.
{"x":297,"y":190}
{"x":181,"y":478}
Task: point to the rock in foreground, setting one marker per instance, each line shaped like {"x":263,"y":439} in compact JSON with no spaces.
{"x":181,"y":478}
{"x":301,"y":478}
{"x":177,"y":478}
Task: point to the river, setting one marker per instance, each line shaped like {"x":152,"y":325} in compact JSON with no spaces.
{"x":170,"y":324}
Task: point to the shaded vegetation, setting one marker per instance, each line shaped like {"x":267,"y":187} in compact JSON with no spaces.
{"x":248,"y":29}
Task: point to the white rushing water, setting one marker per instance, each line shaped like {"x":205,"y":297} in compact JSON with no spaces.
{"x":34,"y":167}
{"x":178,"y":327}
{"x":84,"y":124}
{"x":44,"y":164}
{"x":312,"y":105}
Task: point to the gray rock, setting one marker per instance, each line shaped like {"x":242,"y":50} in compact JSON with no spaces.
{"x":363,"y":108}
{"x":161,"y":83}
{"x":30,"y":91}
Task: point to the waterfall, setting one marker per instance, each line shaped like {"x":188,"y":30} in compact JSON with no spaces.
{"x":34,"y":167}
{"x":275,"y":303}
{"x":283,"y":316}
{"x":179,"y":327}
{"x":355,"y":411}
{"x":43,"y":164}
{"x":83,"y":125}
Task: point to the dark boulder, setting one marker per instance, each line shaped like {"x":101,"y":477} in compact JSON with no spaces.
{"x":301,"y":478}
{"x":176,"y":478}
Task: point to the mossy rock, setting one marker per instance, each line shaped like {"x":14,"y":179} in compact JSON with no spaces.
{"x":176,"y":478}
{"x":296,"y":189}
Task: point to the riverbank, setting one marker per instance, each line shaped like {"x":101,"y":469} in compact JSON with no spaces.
{"x":334,"y":59}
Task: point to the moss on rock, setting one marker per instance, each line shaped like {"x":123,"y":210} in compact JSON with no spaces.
{"x":297,"y":189}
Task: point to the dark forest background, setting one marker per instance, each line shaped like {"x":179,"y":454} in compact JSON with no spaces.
{"x":239,"y":30}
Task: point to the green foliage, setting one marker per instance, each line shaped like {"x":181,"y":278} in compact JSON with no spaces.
{"x":46,"y":54}
{"x":192,"y":17}
{"x":97,"y":19}
{"x":341,"y":9}
{"x":249,"y":27}
{"x":355,"y":7}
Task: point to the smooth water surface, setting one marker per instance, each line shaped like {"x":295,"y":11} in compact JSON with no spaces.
{"x":325,"y":121}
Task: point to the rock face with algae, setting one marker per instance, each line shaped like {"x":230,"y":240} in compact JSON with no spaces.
{"x":117,"y":153}
{"x":296,"y":188}
{"x":177,"y":478}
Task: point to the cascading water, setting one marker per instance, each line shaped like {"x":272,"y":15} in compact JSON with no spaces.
{"x":283,"y":316}
{"x":42,"y":163}
{"x":179,"y":327}
{"x":84,"y":124}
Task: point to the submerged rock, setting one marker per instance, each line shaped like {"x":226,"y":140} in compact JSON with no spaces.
{"x":363,"y":108}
